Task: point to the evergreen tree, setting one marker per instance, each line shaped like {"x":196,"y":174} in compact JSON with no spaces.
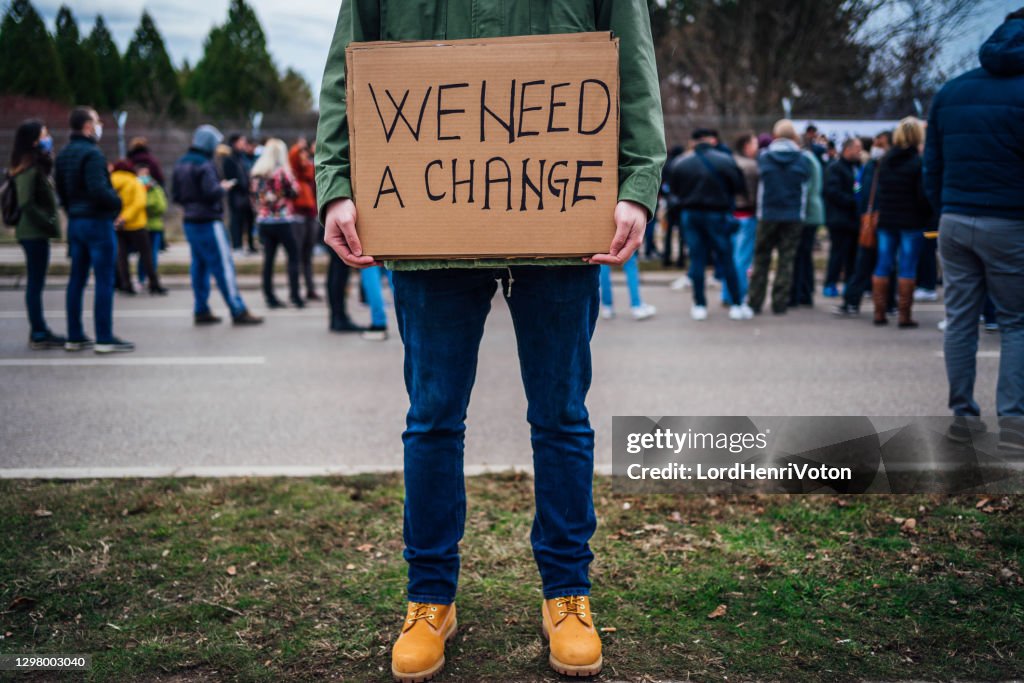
{"x":29,"y":64}
{"x":101,"y":44}
{"x":149,"y":76}
{"x":296,"y":95}
{"x":78,"y":62}
{"x":236,"y":74}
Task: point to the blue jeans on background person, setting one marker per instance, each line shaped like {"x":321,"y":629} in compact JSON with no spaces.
{"x":742,"y":255}
{"x":983,"y":255}
{"x":632,"y":270}
{"x":370,"y":278}
{"x":92,"y":245}
{"x":37,"y":260}
{"x":707,"y":234}
{"x":650,"y":251}
{"x":156,"y":239}
{"x":211,"y":256}
{"x":906,"y":244}
{"x":441,"y":315}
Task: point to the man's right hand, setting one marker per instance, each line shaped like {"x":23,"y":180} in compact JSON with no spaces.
{"x":340,"y":234}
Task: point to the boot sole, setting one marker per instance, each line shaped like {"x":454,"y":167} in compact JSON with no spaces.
{"x":574,"y":670}
{"x":426,"y":674}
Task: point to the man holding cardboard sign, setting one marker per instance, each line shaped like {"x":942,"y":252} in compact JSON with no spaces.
{"x":502,"y":150}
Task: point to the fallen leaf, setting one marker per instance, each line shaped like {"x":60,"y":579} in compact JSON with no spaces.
{"x":21,"y":602}
{"x":350,"y":566}
{"x":718,"y":612}
{"x":908,"y":525}
{"x":232,"y":570}
{"x":608,"y":629}
{"x":165,"y":553}
{"x":982,"y":503}
{"x":364,"y":548}
{"x":40,"y":512}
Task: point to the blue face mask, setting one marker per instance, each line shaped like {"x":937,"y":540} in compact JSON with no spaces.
{"x":46,"y":145}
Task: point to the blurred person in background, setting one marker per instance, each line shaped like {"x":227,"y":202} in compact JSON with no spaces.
{"x":131,"y":228}
{"x":83,"y":185}
{"x":307,"y":226}
{"x":156,"y":209}
{"x":639,"y":309}
{"x":139,"y":155}
{"x":274,"y":190}
{"x":802,"y":290}
{"x":745,"y":214}
{"x":200,"y":192}
{"x":236,"y":167}
{"x":974,"y":175}
{"x":36,"y":222}
{"x":903,"y":215}
{"x":841,"y":215}
{"x":673,"y":213}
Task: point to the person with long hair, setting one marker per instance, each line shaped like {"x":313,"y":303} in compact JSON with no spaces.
{"x":274,"y":189}
{"x":31,"y":166}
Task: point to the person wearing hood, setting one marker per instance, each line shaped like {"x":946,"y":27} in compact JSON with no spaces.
{"x":83,"y":185}
{"x":200,"y":192}
{"x":903,"y":214}
{"x":139,"y":155}
{"x":786,"y":175}
{"x":131,"y":228}
{"x":974,"y":175}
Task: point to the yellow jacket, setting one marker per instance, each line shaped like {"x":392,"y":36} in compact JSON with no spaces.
{"x":133,"y":199}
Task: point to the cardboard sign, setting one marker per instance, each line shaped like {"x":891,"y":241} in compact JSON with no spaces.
{"x":502,"y":147}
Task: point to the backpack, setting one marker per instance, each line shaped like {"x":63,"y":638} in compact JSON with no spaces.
{"x":9,"y":201}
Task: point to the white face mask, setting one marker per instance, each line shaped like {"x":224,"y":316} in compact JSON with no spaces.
{"x":877,"y":152}
{"x":98,"y":132}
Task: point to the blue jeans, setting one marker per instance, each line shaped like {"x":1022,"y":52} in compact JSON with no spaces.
{"x":441,"y":315}
{"x":708,"y":231}
{"x":742,"y":255}
{"x":211,"y":256}
{"x":93,"y":245}
{"x":907,"y":244}
{"x":982,"y":255}
{"x":649,"y":249}
{"x":632,"y":270}
{"x":156,"y":238}
{"x":370,"y":278}
{"x":37,"y":260}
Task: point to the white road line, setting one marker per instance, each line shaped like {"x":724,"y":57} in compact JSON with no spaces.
{"x":115,"y":359}
{"x":239,"y":471}
{"x":981,"y":354}
{"x":184,"y":314}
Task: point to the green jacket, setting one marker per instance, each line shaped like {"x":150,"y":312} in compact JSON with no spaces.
{"x":641,"y":131}
{"x":38,"y":201}
{"x":156,"y":207}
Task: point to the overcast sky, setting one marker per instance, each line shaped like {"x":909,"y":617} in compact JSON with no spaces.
{"x":299,"y":31}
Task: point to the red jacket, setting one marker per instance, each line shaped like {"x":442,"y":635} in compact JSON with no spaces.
{"x":304,"y":172}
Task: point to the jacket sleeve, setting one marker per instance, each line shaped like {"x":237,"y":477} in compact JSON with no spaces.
{"x":97,"y":183}
{"x":836,"y":190}
{"x":933,"y":164}
{"x":36,"y":198}
{"x":641,"y":127}
{"x":156,"y":202}
{"x":135,"y":202}
{"x":209,"y":183}
{"x":735,"y":175}
{"x":358,"y":20}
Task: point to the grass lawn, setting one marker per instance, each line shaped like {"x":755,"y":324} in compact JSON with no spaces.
{"x":302,"y":579}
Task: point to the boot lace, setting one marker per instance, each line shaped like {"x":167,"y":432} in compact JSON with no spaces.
{"x":419,"y":611}
{"x":573,"y":604}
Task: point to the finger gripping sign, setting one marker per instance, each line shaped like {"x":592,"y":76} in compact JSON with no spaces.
{"x":501,"y":147}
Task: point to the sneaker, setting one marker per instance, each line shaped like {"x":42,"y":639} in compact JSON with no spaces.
{"x":991,"y":327}
{"x":607,"y":312}
{"x":115,"y":345}
{"x":298,"y":303}
{"x":375,"y":333}
{"x":344,"y":325}
{"x":206,"y":318}
{"x":418,"y":654}
{"x":922,"y":294}
{"x":246,"y":318}
{"x":743,"y":312}
{"x":830,"y":292}
{"x":47,"y":341}
{"x":275,"y":303}
{"x":313,"y":296}
{"x":158,"y":291}
{"x":680,"y":283}
{"x":575,"y":645}
{"x":699,"y":312}
{"x":643,"y":311}
{"x":963,"y":429}
{"x":845,"y":311}
{"x":942,"y":325}
{"x":78,"y":344}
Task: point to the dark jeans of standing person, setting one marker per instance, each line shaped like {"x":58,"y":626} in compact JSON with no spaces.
{"x":842,"y":256}
{"x":93,"y":246}
{"x":242,"y":226}
{"x":37,"y":261}
{"x":771,"y":236}
{"x":802,"y":291}
{"x":708,"y":235}
{"x":927,"y":266}
{"x":156,"y":245}
{"x":863,"y":269}
{"x":307,"y":229}
{"x":273,"y":235}
{"x":673,"y":223}
{"x":650,"y":251}
{"x":982,"y":255}
{"x":441,"y":315}
{"x":337,"y":295}
{"x":136,"y":240}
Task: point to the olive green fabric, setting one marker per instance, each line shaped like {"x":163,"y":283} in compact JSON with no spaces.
{"x":38,"y":201}
{"x":641,"y":131}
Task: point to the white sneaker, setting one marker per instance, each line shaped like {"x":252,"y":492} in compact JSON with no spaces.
{"x":921,"y":294}
{"x":607,"y":312}
{"x":942,"y":325}
{"x":644,"y":311}
{"x":680,"y":283}
{"x":699,"y":312}
{"x":743,"y":312}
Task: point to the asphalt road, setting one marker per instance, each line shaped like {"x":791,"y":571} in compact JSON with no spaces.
{"x":289,"y":397}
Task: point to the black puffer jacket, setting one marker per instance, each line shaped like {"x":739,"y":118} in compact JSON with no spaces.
{"x":83,"y":183}
{"x":841,"y":196}
{"x":901,"y":201}
{"x":197,"y":188}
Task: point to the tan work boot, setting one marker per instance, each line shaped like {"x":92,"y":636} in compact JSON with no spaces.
{"x":418,"y":654}
{"x":569,"y":628}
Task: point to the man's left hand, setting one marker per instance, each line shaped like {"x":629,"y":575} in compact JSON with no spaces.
{"x":630,"y":223}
